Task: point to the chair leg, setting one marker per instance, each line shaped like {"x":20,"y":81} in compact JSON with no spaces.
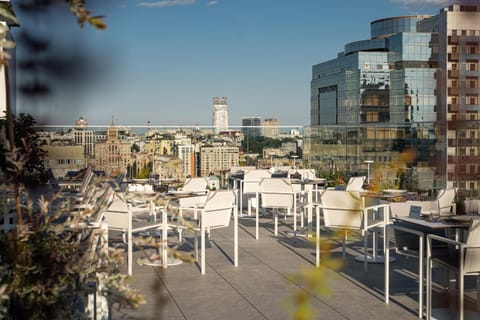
{"x":195,"y":245}
{"x":179,"y":228}
{"x":130,"y":252}
{"x":365,"y":253}
{"x":275,"y":215}
{"x":256,"y":223}
{"x":478,"y":293}
{"x":317,"y":240}
{"x":461,"y":289}
{"x":302,"y":220}
{"x":429,"y":289}
{"x":202,"y":253}
{"x":294,"y":218}
{"x":344,"y":255}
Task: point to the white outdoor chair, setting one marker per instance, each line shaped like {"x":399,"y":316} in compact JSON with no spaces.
{"x":356,"y":184}
{"x":345,"y":211}
{"x":251,"y":188}
{"x":444,"y":204}
{"x":466,"y":262}
{"x":195,"y":184}
{"x":216,"y":213}
{"x":410,"y":242}
{"x":302,"y":174}
{"x":191,"y":204}
{"x":277,"y":194}
{"x":119,"y":217}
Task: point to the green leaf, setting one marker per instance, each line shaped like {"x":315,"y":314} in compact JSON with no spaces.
{"x":6,"y":14}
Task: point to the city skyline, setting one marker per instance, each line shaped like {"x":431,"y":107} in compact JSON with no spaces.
{"x":163,"y":61}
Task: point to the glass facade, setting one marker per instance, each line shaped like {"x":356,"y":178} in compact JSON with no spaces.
{"x":415,"y":85}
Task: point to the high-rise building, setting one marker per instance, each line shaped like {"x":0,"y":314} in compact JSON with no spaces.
{"x":217,"y":159}
{"x":251,"y":126}
{"x":84,"y":137}
{"x":415,"y":80}
{"x":271,"y":128}
{"x":220,"y":114}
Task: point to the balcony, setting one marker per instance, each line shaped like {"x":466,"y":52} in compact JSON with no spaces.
{"x":453,"y":74}
{"x":453,"y":107}
{"x":454,"y":56}
{"x":454,"y":91}
{"x":453,"y":39}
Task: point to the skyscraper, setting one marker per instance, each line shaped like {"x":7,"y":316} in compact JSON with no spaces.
{"x":271,"y":128}
{"x":220,"y":114}
{"x":251,"y":126}
{"x":417,"y":77}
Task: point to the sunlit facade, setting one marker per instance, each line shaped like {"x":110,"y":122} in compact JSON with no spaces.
{"x":220,"y":114}
{"x":408,"y":89}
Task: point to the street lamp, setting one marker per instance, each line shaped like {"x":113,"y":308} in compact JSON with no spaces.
{"x":368,"y":162}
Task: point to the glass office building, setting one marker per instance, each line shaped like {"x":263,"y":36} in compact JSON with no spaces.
{"x":251,"y":126}
{"x":412,"y":88}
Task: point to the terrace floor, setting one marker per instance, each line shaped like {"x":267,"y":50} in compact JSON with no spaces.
{"x":262,"y":287}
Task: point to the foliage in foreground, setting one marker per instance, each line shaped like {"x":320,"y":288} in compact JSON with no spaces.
{"x":52,"y":258}
{"x":50,"y":263}
{"x":312,"y":281}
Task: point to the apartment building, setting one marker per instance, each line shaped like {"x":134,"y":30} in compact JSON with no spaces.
{"x":217,"y":159}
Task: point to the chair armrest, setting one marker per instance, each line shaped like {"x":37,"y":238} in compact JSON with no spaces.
{"x":408,"y":230}
{"x":376,"y":222}
{"x":277,"y":192}
{"x":435,"y":237}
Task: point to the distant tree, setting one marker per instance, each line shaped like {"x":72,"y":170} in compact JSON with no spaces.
{"x":145,"y":172}
{"x":135,"y":148}
{"x":27,"y":146}
{"x":256,"y":144}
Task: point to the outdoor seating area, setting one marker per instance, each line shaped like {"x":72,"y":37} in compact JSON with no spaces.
{"x":246,"y":261}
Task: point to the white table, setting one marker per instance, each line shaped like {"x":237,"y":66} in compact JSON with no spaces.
{"x":419,"y":227}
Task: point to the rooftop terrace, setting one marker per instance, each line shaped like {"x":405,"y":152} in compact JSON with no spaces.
{"x":262,"y":287}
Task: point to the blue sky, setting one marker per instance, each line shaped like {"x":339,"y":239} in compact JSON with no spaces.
{"x":164,"y":61}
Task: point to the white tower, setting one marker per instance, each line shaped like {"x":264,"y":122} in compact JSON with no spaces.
{"x":220,"y":114}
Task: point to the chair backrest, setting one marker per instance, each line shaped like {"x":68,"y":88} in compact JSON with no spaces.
{"x":472,"y":255}
{"x":355,"y":183}
{"x":118,"y":215}
{"x":218,"y":209}
{"x":415,"y":212}
{"x":446,"y":197}
{"x":342,"y":209}
{"x":195,"y":184}
{"x":252,"y":178}
{"x":276,"y":193}
{"x":401,"y":209}
{"x":88,"y":176}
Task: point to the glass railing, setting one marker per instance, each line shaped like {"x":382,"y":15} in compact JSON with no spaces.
{"x":417,"y":156}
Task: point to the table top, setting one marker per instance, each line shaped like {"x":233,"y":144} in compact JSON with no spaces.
{"x":185,"y":193}
{"x":438,"y":224}
{"x":309,"y":181}
{"x":378,"y":195}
